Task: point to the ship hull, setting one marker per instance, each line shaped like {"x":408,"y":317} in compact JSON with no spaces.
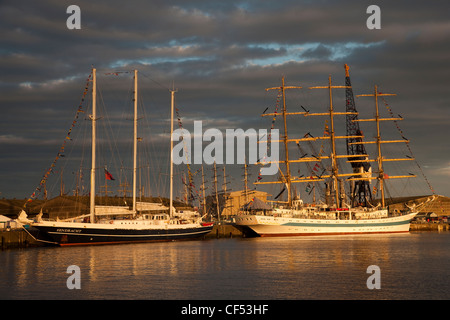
{"x":270,"y":226}
{"x":73,"y":234}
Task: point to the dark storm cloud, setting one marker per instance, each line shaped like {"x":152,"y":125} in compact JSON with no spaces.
{"x":221,"y":55}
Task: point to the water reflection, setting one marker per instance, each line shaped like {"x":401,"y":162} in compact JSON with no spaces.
{"x":412,"y":267}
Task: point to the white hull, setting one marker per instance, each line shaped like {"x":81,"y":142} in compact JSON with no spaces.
{"x":265,"y":226}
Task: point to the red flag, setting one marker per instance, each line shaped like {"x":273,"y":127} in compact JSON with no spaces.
{"x":108,"y":176}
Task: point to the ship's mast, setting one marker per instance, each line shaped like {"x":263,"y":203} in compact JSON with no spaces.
{"x":217,"y":192}
{"x":380,"y":159}
{"x":224,"y":187}
{"x":172,"y":104}
{"x":334,"y":165}
{"x":135,"y":139}
{"x":94,"y":131}
{"x":203,"y":192}
{"x":245,"y":182}
{"x":378,"y":141}
{"x":285,"y":137}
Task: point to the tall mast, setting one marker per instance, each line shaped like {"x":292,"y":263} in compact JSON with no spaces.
{"x":135,"y":139}
{"x":288,"y":170}
{"x":380,"y":157}
{"x":246,"y":182}
{"x":224,"y":187}
{"x":217,"y":192}
{"x":285,"y":137}
{"x":335,"y":172}
{"x":377,"y":119}
{"x":185,"y":188}
{"x":94,"y":130}
{"x":333,"y":144}
{"x":172,"y":104}
{"x":203,"y":192}
{"x":224,"y":182}
{"x":225,"y":196}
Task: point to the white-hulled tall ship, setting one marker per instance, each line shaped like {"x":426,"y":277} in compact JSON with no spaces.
{"x":119,"y":224}
{"x":361,"y":214}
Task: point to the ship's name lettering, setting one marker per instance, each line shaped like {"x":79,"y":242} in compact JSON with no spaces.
{"x":69,"y":230}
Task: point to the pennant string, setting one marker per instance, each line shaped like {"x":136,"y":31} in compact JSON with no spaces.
{"x":61,"y":149}
{"x":407,"y":144}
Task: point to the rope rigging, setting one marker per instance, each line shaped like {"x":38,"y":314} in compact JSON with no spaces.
{"x":60,"y":154}
{"x":407,"y":145}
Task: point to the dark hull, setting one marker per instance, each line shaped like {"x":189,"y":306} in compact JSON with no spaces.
{"x":94,"y":236}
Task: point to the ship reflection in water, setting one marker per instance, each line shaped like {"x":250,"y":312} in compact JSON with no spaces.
{"x":413,"y":266}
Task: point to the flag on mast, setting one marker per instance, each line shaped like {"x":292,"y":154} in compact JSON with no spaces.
{"x":108,"y":176}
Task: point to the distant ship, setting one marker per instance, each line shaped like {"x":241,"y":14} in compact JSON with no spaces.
{"x":362,"y":215}
{"x":119,"y":224}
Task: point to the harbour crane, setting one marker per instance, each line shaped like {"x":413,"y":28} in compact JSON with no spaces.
{"x":360,"y":193}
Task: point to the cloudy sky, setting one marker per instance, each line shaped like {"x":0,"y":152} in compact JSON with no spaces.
{"x":220,"y":55}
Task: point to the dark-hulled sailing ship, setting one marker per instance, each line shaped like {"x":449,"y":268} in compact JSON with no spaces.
{"x":119,"y":224}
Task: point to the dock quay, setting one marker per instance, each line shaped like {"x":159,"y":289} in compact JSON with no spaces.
{"x":224,"y":231}
{"x":16,"y":238}
{"x":430,"y":226}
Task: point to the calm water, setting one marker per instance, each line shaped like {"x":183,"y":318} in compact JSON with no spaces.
{"x":413,"y":266}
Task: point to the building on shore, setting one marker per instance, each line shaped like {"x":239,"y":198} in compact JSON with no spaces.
{"x":440,"y":206}
{"x":236,"y":200}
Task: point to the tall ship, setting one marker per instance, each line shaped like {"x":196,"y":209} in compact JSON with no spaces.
{"x":354,"y":212}
{"x":119,"y":224}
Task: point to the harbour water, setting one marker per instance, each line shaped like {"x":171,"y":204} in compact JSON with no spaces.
{"x":412,"y":266}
